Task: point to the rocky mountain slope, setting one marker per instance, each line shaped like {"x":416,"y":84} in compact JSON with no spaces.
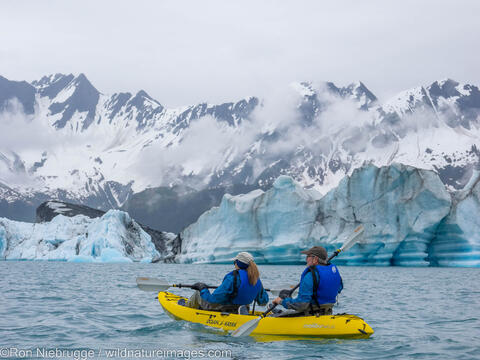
{"x":63,"y":139}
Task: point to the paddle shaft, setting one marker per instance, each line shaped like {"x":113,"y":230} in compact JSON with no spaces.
{"x":274,"y":306}
{"x":208,"y":286}
{"x":190,"y":286}
{"x":335,"y":253}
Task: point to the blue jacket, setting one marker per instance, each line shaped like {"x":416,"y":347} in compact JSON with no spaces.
{"x":222,"y":294}
{"x":324,"y":295}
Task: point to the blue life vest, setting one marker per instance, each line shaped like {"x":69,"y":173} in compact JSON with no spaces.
{"x":245,"y":293}
{"x":329,"y":283}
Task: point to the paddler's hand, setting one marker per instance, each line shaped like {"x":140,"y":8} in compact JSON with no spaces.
{"x":277,"y":301}
{"x":199,"y":286}
{"x":284,"y":294}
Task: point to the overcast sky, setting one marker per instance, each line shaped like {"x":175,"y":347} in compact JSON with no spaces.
{"x":184,"y":52}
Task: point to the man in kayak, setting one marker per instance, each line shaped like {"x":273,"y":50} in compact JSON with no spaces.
{"x":320,"y":283}
{"x":241,"y":286}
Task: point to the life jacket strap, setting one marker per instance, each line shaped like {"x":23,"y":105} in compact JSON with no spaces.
{"x":234,"y":293}
{"x":313,"y":270}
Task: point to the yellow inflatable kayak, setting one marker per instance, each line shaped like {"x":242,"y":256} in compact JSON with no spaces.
{"x":338,"y":326}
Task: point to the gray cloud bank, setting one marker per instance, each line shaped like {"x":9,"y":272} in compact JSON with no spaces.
{"x":192,"y":51}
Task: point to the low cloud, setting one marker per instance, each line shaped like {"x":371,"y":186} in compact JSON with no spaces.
{"x":276,"y":126}
{"x":275,"y":130}
{"x":21,"y":132}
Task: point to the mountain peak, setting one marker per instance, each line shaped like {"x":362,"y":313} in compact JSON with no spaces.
{"x":143,"y":93}
{"x":79,"y":96}
{"x":447,"y":82}
{"x":81,"y":80}
{"x":141,"y":98}
{"x":445,"y":88}
{"x":356,"y":91}
{"x":304,"y":88}
{"x":51,"y":85}
{"x":57,"y":80}
{"x":20,"y":90}
{"x":48,"y":80}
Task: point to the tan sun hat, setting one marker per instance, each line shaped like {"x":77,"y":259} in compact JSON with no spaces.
{"x":244,"y":257}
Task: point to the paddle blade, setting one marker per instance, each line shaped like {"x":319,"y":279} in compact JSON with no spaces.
{"x":151,"y":284}
{"x":247,"y":328}
{"x":353,"y":239}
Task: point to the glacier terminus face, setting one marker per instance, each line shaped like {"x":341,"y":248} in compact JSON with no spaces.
{"x":408,"y":215}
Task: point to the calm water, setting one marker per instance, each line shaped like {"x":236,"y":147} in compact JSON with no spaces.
{"x":424,"y":313}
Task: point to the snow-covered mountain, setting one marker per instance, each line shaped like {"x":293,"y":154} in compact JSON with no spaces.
{"x":63,"y":139}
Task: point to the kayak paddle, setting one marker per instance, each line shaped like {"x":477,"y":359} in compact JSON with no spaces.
{"x":154,"y":284}
{"x":247,"y":328}
{"x":157,"y":285}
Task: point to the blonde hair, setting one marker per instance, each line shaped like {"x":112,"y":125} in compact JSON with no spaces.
{"x":253,"y":273}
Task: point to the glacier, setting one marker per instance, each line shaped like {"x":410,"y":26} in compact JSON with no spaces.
{"x":457,"y":242}
{"x":408,"y":215}
{"x":272,"y":225}
{"x":399,"y":206}
{"x":113,"y":237}
{"x":410,"y":219}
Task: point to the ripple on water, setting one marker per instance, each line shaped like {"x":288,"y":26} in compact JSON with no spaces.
{"x":454,"y":321}
{"x":90,"y":306}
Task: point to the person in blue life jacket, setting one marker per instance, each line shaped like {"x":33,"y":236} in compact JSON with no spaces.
{"x":239,"y":287}
{"x":320,"y":283}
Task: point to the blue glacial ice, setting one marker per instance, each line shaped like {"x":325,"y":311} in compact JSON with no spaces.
{"x":409,"y":217}
{"x":457,"y":242}
{"x":272,"y":225}
{"x":114,"y":237}
{"x":399,"y":206}
{"x":407,"y":214}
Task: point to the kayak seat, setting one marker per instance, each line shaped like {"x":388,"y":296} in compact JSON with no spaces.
{"x":243,"y":310}
{"x":324,"y":309}
{"x":288,"y":313}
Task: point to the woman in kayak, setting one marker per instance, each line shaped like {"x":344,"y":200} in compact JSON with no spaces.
{"x":241,"y":286}
{"x":320,"y":284}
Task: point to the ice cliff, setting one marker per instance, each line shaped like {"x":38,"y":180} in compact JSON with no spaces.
{"x":273,"y":225}
{"x":409,"y":218}
{"x":114,"y":237}
{"x":399,"y":206}
{"x":408,"y":215}
{"x":457,"y":242}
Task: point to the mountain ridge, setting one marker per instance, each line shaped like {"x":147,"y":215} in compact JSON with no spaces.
{"x":100,"y":150}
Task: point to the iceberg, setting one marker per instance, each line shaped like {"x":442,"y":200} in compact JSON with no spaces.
{"x":457,"y":242}
{"x":406,"y":213}
{"x":114,"y":237}
{"x":272,"y":225}
{"x":400,"y":208}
